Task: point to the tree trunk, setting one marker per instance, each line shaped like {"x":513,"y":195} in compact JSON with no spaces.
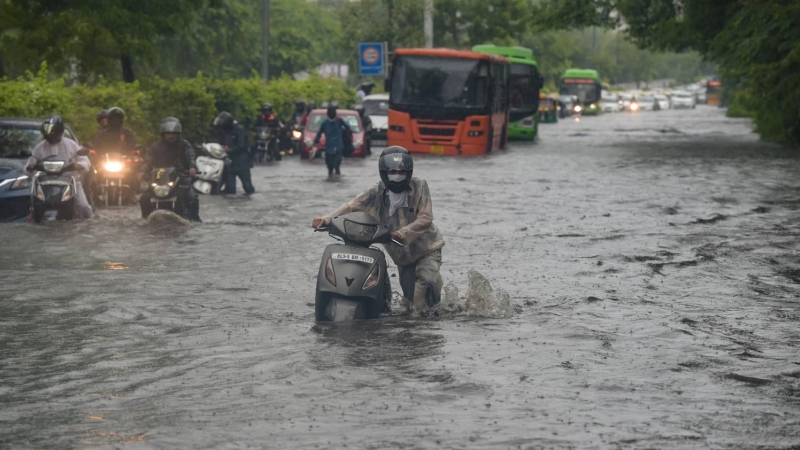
{"x":127,"y":69}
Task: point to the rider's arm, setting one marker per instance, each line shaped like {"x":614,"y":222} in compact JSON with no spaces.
{"x":188,"y":154}
{"x":368,"y":201}
{"x":319,"y":133}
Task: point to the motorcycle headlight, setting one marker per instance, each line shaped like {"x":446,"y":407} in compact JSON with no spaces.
{"x":113,"y":166}
{"x":329,"y":274}
{"x":309,"y":142}
{"x":23,"y":182}
{"x":297,"y":134}
{"x":372,"y":279}
{"x":578,"y":108}
{"x":161,"y":191}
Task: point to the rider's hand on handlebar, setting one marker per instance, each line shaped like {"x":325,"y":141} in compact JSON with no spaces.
{"x":397,"y":236}
{"x":318,"y":222}
{"x":30,"y":168}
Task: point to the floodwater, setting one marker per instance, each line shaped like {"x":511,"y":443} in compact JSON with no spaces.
{"x":651,"y":264}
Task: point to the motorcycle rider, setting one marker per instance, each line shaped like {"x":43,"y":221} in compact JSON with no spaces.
{"x":115,"y":137}
{"x":312,"y":105}
{"x":172,"y":151}
{"x":336,"y":133}
{"x":268,"y":119}
{"x":55,"y":144}
{"x":102,"y":119}
{"x":298,"y":113}
{"x":403,"y":203}
{"x":233,"y":138}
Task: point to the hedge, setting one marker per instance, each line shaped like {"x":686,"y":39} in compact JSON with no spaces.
{"x":195,"y":101}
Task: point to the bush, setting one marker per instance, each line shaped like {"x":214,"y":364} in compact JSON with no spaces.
{"x":194,"y":101}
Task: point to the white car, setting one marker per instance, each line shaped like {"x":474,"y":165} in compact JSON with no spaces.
{"x":376,"y":107}
{"x":663,"y":102}
{"x":611,"y":103}
{"x":683,"y":100}
{"x":647,"y":102}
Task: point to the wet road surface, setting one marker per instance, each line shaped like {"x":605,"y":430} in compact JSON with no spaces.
{"x":651,"y":263}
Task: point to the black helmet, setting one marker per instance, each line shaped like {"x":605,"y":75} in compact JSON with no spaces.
{"x":266,"y":108}
{"x":116,"y":117}
{"x":170,"y":125}
{"x":300,"y":103}
{"x":103,"y":114}
{"x":396,"y":158}
{"x":332,"y":109}
{"x":53,"y":128}
{"x":224,"y":120}
{"x":312,"y":105}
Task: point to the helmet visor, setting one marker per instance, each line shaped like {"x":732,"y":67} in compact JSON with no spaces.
{"x":396,"y":161}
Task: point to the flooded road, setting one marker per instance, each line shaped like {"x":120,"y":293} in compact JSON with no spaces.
{"x":652,"y":264}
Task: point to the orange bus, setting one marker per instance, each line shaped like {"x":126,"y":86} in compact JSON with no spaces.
{"x":448,"y":102}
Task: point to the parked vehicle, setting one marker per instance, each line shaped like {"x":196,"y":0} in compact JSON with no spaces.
{"x":350,"y":117}
{"x":211,"y":166}
{"x":376,"y":107}
{"x":611,"y":103}
{"x":647,"y":102}
{"x":53,"y":189}
{"x":353,"y":282}
{"x":663,"y":102}
{"x":18,"y":137}
{"x":683,"y":99}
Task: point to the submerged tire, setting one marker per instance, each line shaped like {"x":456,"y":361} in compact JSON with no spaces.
{"x":319,"y":309}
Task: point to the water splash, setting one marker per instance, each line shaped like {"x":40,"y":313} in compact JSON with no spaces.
{"x":481,"y":299}
{"x":163,"y":216}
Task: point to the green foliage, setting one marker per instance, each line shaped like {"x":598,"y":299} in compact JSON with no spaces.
{"x":194,"y":101}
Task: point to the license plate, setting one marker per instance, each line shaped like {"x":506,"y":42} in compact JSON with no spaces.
{"x":352,"y":257}
{"x":437,"y":149}
{"x":163,"y":200}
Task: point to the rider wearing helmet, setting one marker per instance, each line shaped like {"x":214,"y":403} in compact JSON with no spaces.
{"x":337,"y":136}
{"x":299,"y":111}
{"x":172,"y":151}
{"x":115,"y":137}
{"x":102,"y":118}
{"x":233,"y":138}
{"x":268,"y":119}
{"x":312,"y":105}
{"x":55,"y":144}
{"x":404,"y":204}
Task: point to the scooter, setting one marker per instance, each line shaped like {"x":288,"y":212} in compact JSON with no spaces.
{"x":353,"y":282}
{"x":297,"y":138}
{"x":210,"y":169}
{"x":52,"y":190}
{"x":164,"y":185}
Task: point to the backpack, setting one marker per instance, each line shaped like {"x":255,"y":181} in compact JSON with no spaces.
{"x":347,"y":137}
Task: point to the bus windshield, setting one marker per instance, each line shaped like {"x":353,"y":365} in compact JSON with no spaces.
{"x":440,"y":82}
{"x":585,"y":89}
{"x":524,"y":87}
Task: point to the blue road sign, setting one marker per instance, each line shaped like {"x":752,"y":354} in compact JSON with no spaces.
{"x":371,"y":56}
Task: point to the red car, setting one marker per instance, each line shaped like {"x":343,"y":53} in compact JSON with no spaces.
{"x":315,"y":119}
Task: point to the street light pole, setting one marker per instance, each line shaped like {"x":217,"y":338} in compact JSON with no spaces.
{"x":265,"y":42}
{"x":429,"y":23}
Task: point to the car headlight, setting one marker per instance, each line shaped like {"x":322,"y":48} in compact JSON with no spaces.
{"x":296,"y":134}
{"x":113,"y":166}
{"x":309,"y":142}
{"x":358,"y":143}
{"x":23,"y":182}
{"x":329,"y":274}
{"x":372,"y":279}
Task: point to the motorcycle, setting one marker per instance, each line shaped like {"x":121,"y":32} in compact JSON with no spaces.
{"x":113,"y":180}
{"x":210,"y":169}
{"x":164,"y":185}
{"x":353,"y":282}
{"x":52,"y":189}
{"x":267,"y":144}
{"x":297,"y":138}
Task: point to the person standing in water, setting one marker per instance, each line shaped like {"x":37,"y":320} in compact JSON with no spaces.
{"x":336,"y":134}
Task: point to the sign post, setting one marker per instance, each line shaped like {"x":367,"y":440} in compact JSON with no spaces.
{"x":371,"y":58}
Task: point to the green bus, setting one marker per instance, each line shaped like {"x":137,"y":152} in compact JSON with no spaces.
{"x":523,"y":121}
{"x":585,"y":84}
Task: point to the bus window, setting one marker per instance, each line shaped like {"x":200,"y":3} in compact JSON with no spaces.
{"x":440,"y":82}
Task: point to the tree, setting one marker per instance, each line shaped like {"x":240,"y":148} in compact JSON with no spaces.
{"x":86,"y":38}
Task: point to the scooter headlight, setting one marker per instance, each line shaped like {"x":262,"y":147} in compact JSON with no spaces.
{"x":372,"y":279}
{"x":296,"y":134}
{"x":161,"y":191}
{"x":329,"y":274}
{"x":69,"y":192}
{"x":113,"y":166}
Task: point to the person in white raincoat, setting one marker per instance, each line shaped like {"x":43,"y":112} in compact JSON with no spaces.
{"x":55,"y":144}
{"x":403,"y":204}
